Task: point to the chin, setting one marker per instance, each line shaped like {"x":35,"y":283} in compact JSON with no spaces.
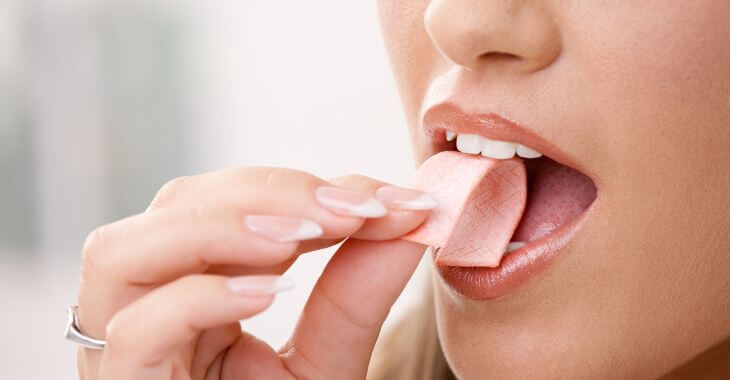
{"x":550,"y":327}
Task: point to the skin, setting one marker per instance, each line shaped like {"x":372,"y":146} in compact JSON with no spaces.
{"x":638,"y":93}
{"x":154,"y":285}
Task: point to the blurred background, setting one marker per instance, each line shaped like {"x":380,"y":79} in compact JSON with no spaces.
{"x":103,"y":101}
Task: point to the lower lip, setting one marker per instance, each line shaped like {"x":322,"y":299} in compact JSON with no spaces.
{"x":483,"y":283}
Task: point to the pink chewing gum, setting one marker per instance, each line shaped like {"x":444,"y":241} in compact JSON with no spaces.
{"x":481,"y":201}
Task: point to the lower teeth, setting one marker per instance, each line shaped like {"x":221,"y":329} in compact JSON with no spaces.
{"x":513,"y":246}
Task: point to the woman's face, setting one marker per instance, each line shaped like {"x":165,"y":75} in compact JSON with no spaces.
{"x":637,"y":95}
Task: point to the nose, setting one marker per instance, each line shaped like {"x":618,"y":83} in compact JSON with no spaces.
{"x":477,"y":33}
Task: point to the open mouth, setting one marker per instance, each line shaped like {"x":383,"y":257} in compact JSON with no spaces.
{"x":556,"y":196}
{"x":558,"y":199}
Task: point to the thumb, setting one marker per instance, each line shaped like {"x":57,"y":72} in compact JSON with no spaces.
{"x":341,"y":321}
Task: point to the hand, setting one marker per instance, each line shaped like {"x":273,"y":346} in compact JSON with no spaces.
{"x":159,"y":286}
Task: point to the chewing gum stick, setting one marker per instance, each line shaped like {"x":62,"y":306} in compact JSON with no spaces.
{"x":481,"y":201}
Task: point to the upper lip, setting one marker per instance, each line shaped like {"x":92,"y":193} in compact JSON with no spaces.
{"x":442,"y":116}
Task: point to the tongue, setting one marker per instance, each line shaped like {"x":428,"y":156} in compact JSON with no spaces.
{"x":557,"y":194}
{"x":481,"y":201}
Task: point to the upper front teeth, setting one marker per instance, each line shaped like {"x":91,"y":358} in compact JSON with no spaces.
{"x":526,"y":152}
{"x":467,"y":143}
{"x":475,"y":144}
{"x":498,"y":149}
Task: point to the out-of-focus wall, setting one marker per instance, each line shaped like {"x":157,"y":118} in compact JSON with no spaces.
{"x":15,"y":218}
{"x":101,"y":102}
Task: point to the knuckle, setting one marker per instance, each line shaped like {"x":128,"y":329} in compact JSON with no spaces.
{"x":278,"y":178}
{"x":249,"y":175}
{"x":92,"y":251}
{"x":245,"y":171}
{"x":357,"y":181}
{"x":346,"y":314}
{"x":94,"y":240}
{"x":263,"y":181}
{"x":300,"y":366}
{"x":275,"y":176}
{"x":358,"y":178}
{"x":120,"y":337}
{"x":169,"y":191}
{"x":114,"y":332}
{"x":199,"y":214}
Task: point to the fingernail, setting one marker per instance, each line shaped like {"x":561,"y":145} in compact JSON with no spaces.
{"x":259,"y":285}
{"x":348,"y":202}
{"x":282,"y":228}
{"x":405,"y":199}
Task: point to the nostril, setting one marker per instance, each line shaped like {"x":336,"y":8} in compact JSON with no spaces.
{"x":519,"y":34}
{"x":500,"y":56}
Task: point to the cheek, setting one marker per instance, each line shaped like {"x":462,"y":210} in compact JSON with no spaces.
{"x":659,"y":81}
{"x":657,"y":78}
{"x":652,"y":87}
{"x":409,"y":47}
{"x":657,"y":74}
{"x":412,"y":56}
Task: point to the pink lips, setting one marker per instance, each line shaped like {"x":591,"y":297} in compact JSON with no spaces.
{"x":448,"y":116}
{"x":470,"y":245}
{"x":516,"y":268}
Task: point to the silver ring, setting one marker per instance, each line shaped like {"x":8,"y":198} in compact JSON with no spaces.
{"x":74,"y":334}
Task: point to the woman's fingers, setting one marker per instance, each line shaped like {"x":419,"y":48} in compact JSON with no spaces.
{"x":272,"y":191}
{"x":163,"y":245}
{"x":123,"y":259}
{"x":210,"y":349}
{"x":150,"y":338}
{"x":407,"y":208}
{"x":342,"y":318}
{"x":265,"y":190}
{"x":229,"y":222}
{"x":127,"y":259}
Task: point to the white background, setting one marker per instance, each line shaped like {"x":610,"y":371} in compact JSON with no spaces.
{"x":282,"y":83}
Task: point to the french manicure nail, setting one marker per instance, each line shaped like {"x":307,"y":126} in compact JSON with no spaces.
{"x":348,"y":202}
{"x":283,"y":228}
{"x":259,"y":285}
{"x":405,"y":199}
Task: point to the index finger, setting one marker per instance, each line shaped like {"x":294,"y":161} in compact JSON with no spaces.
{"x":128,"y":258}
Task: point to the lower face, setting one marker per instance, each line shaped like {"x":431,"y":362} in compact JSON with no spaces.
{"x":639,"y":99}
